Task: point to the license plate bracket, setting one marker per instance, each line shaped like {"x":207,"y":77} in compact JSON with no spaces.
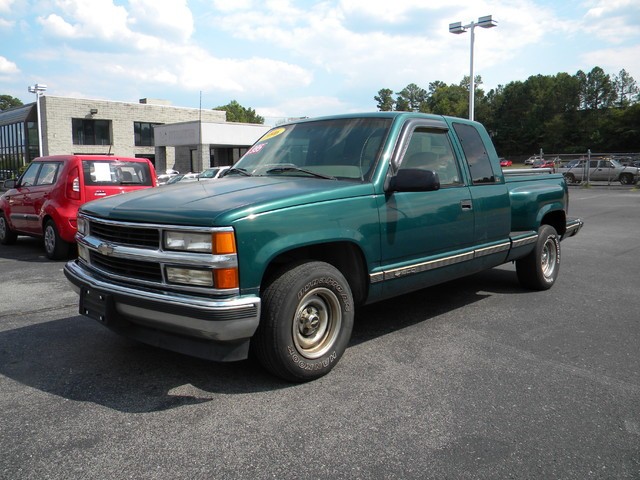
{"x":96,"y":304}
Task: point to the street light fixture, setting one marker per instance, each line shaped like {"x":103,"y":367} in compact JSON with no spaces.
{"x":38,"y":89}
{"x":458,"y":28}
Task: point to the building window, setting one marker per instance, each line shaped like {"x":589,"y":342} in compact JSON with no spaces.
{"x":143,"y":133}
{"x":12,"y":149}
{"x":91,"y":132}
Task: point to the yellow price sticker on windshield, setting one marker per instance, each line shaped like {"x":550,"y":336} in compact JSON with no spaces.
{"x":271,"y":134}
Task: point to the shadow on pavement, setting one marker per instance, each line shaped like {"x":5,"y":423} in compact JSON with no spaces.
{"x":77,"y":359}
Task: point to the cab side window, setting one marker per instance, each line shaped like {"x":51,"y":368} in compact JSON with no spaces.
{"x":431,"y":150}
{"x":48,"y":174}
{"x":29,"y":177}
{"x":476,"y":153}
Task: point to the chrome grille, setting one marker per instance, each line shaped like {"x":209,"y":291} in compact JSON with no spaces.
{"x":126,"y":267}
{"x":126,"y":235}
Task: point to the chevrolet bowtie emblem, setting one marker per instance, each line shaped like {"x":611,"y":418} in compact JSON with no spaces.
{"x":105,"y":249}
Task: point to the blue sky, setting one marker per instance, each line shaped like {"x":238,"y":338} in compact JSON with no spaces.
{"x":288,"y":58}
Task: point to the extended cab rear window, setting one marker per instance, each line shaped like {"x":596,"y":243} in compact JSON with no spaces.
{"x":104,"y":173}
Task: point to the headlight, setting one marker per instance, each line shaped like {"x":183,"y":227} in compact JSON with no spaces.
{"x":83,"y":226}
{"x":216,"y":243}
{"x":188,"y":242}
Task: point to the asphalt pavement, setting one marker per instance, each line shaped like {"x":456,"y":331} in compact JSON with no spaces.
{"x":474,"y":379}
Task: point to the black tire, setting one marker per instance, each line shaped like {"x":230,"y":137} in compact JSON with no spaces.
{"x":306,"y":322}
{"x":570,"y":177}
{"x":7,"y":236}
{"x":539,"y":270}
{"x":626,"y":179}
{"x":55,"y":247}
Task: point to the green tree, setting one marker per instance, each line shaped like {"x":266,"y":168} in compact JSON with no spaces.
{"x":385,"y":100}
{"x":446,"y":99}
{"x":413,"y":97}
{"x":596,"y":89}
{"x":626,"y":88}
{"x":240,"y":114}
{"x":7,"y":101}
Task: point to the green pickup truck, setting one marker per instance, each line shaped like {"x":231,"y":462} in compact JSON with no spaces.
{"x":318,"y":217}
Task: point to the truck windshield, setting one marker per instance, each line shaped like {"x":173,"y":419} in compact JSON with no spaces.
{"x":105,"y":173}
{"x":345,"y":148}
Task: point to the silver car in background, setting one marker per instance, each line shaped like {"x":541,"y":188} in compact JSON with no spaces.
{"x":601,"y":170}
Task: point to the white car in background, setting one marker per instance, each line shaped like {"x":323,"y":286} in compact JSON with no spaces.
{"x":213,"y":172}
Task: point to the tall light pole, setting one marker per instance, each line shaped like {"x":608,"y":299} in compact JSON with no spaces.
{"x":38,"y":89}
{"x":458,"y":28}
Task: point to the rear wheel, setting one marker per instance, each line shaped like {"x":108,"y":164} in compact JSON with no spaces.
{"x":7,"y":236}
{"x":570,"y":177}
{"x":540,"y":268}
{"x":54,"y":246}
{"x":306,"y":322}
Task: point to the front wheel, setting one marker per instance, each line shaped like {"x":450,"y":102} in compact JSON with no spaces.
{"x":54,"y":246}
{"x":626,"y":179}
{"x":539,"y":269}
{"x":570,"y":177}
{"x":306,"y":322}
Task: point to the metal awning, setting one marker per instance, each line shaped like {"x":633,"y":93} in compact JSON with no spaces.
{"x":16,"y":114}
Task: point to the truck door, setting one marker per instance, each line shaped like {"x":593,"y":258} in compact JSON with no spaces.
{"x":420,"y":228}
{"x":489,"y":194}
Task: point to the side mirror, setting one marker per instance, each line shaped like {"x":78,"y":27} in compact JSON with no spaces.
{"x":414,"y":180}
{"x":10,"y":183}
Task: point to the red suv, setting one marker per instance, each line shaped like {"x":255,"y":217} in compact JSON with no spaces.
{"x":44,"y":201}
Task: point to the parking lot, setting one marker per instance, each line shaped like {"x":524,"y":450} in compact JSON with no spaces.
{"x":473,"y":379}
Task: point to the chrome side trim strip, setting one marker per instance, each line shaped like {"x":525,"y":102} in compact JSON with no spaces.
{"x":451,"y":260}
{"x":524,"y":241}
{"x":426,"y":266}
{"x":573,"y":227}
{"x":502,"y":247}
{"x":376,"y":277}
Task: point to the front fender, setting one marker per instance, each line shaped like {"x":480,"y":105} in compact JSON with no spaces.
{"x":264,"y":237}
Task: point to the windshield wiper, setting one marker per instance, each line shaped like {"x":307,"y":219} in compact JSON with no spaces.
{"x":241,"y":171}
{"x":293,"y":168}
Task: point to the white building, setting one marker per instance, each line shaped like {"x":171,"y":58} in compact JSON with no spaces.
{"x":185,"y":139}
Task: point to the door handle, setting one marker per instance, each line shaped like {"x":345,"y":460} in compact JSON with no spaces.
{"x":466,"y":204}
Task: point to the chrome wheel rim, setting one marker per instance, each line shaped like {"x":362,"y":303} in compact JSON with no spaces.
{"x":317,"y":323}
{"x":549,"y":258}
{"x":49,"y":239}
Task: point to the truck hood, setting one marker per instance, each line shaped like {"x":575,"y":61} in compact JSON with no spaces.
{"x":222,"y":201}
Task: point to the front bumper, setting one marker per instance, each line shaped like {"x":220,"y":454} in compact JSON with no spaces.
{"x":213,"y":329}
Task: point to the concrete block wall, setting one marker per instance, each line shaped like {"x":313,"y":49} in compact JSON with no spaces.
{"x":58,"y":112}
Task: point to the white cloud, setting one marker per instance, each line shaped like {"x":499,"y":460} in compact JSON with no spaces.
{"x":163,"y":18}
{"x":612,"y":60}
{"x":87,"y":19}
{"x":7,"y":66}
{"x":5,"y":5}
{"x":232,"y":5}
{"x":398,"y":11}
{"x":300,"y":106}
{"x":614,"y":21}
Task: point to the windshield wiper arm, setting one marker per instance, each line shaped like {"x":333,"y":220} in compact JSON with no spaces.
{"x":241,"y":171}
{"x":293,"y":168}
